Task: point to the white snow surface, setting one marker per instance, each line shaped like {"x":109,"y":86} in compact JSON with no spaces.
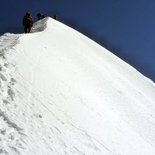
{"x":63,"y":94}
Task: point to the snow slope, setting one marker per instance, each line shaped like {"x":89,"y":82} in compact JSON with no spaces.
{"x":63,"y":94}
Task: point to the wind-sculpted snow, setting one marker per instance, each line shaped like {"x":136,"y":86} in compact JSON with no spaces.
{"x":39,"y":26}
{"x":63,"y":94}
{"x":7,"y":41}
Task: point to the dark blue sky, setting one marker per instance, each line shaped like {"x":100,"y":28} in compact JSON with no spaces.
{"x":125,"y":27}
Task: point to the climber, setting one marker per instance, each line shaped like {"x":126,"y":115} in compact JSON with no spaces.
{"x":40,"y":16}
{"x":27,"y":22}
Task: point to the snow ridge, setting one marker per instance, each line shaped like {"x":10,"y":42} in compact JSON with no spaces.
{"x":63,"y":94}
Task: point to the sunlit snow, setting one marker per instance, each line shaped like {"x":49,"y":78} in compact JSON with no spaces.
{"x":63,"y":94}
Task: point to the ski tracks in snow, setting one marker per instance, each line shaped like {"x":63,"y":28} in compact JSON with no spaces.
{"x":32,"y":83}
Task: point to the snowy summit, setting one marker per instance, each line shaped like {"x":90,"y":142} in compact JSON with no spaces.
{"x":63,"y":94}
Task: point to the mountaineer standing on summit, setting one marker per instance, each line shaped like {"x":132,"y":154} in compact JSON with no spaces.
{"x":40,"y":16}
{"x":27,"y":22}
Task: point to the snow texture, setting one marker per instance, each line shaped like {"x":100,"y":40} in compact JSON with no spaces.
{"x":63,"y":94}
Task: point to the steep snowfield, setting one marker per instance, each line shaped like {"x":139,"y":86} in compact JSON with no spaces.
{"x":63,"y":94}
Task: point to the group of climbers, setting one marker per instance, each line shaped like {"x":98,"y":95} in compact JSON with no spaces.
{"x":28,"y":21}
